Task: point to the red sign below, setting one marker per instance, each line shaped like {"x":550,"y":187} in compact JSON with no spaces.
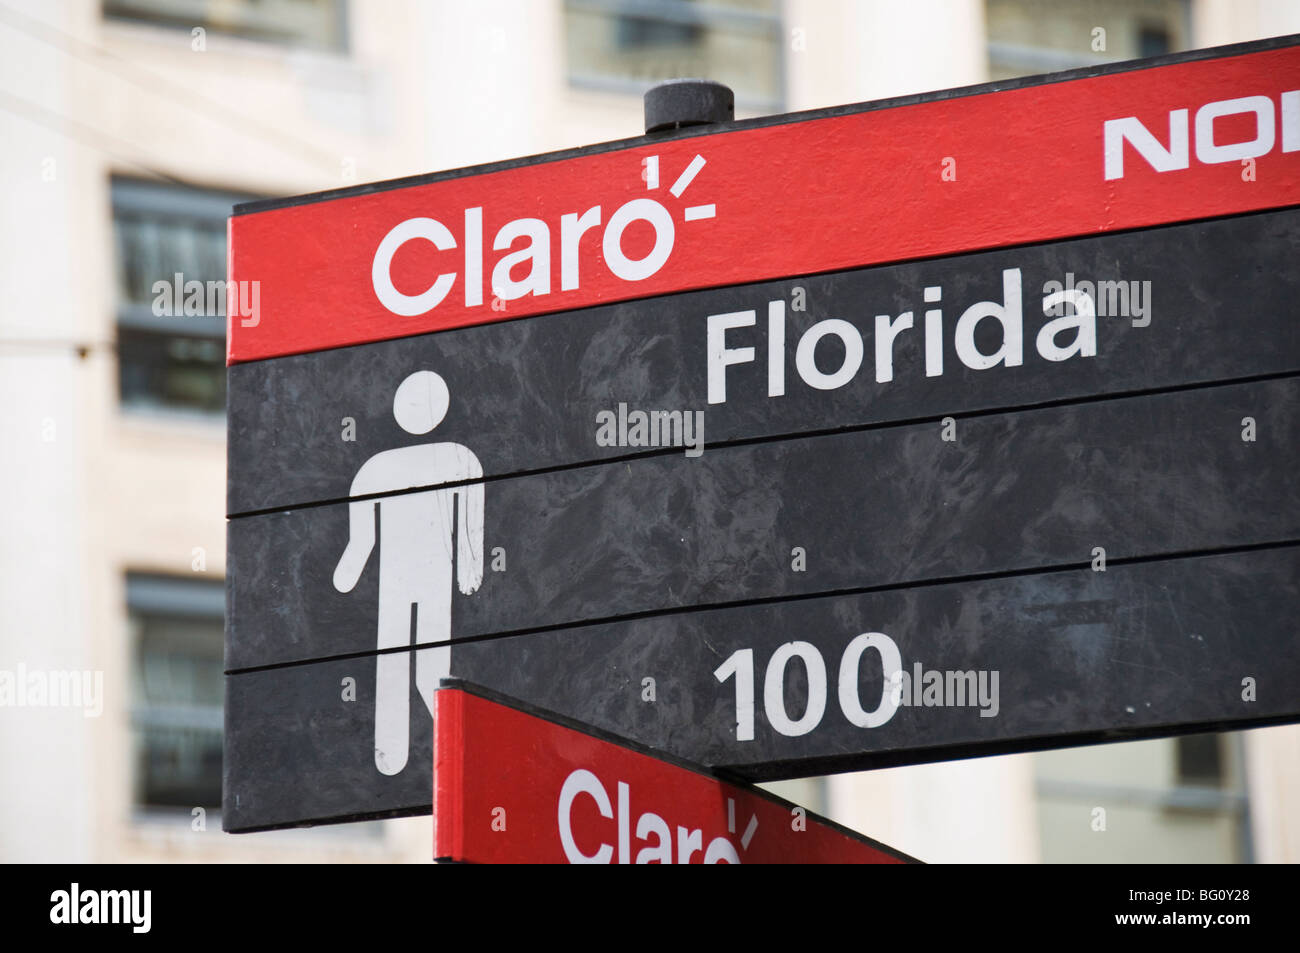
{"x":510,"y":787}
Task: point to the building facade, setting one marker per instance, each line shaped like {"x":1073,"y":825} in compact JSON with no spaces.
{"x":131,"y":127}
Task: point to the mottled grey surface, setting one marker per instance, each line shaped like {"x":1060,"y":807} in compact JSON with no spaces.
{"x":1138,"y":650}
{"x":1016,"y":491}
{"x":1081,"y":655}
{"x":525,"y":394}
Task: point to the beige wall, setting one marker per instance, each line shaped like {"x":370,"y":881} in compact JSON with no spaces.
{"x":1273,"y":772}
{"x":1218,"y":22}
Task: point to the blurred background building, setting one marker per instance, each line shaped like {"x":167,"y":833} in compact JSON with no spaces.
{"x":129,"y":127}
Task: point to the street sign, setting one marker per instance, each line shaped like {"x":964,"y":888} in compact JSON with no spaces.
{"x":515,"y":787}
{"x":926,"y":460}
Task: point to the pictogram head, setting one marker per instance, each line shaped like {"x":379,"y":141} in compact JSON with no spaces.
{"x":421,"y":402}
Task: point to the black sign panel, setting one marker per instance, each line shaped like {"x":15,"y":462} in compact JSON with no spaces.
{"x":594,"y":554}
{"x":1133,"y":476}
{"x":1041,"y":659}
{"x":990,"y":502}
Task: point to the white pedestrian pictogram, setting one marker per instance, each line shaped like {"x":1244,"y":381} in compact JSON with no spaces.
{"x":424,"y":537}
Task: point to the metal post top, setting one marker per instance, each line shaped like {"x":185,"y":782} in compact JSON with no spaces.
{"x":687,"y":102}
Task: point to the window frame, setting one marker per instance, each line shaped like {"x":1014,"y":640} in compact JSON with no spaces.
{"x":169,"y":597}
{"x":178,"y":24}
{"x":1031,"y":60}
{"x":165,"y":203}
{"x":685,"y":13}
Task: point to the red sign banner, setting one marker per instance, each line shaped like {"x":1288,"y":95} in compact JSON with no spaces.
{"x":512,"y":787}
{"x":1120,"y":148}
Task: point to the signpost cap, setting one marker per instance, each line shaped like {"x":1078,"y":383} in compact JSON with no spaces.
{"x":675,"y":103}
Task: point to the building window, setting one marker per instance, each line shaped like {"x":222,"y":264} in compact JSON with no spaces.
{"x":171,"y":354}
{"x":1200,"y":760}
{"x":177,"y":685}
{"x":629,"y":45}
{"x":1026,"y":37}
{"x":1176,"y":800}
{"x":313,"y":23}
{"x":1153,"y":41}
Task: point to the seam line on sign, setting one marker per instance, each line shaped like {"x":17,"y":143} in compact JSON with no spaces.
{"x":785,"y":438}
{"x":408,"y":810}
{"x":889,"y":263}
{"x":1230,"y":51}
{"x":1173,"y":556}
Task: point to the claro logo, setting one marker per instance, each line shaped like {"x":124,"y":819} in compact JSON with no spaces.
{"x":649,"y":829}
{"x":1178,"y":154}
{"x":536,"y":254}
